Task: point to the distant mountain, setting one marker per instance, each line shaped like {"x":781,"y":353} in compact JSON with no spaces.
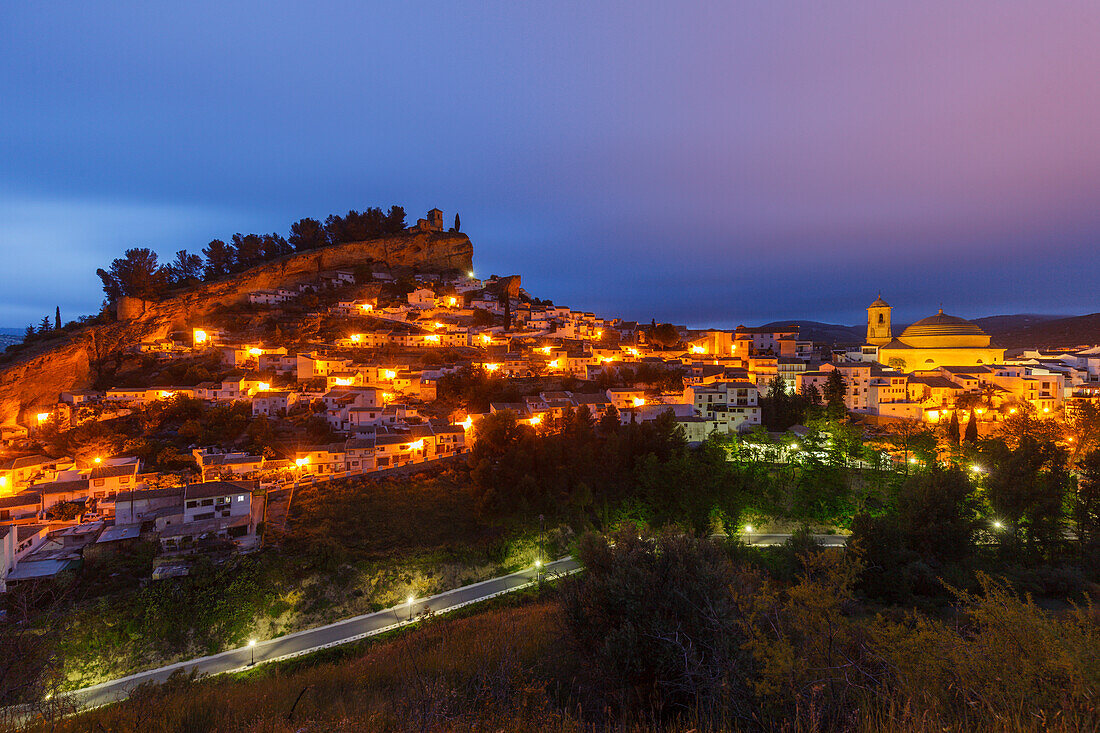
{"x":1014,"y":332}
{"x":1011,"y":331}
{"x":827,"y":333}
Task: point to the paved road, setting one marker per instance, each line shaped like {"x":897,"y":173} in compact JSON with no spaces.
{"x":302,"y":642}
{"x":825,"y":540}
{"x":354,"y":629}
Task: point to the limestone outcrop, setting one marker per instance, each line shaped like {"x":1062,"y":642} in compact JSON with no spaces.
{"x":39,"y":375}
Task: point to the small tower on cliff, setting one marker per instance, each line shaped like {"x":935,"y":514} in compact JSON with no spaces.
{"x":878,"y":323}
{"x":435,"y":220}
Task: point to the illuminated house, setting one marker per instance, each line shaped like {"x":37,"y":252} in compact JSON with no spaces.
{"x":929,"y":343}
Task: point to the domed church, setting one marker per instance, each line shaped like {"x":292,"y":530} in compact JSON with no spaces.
{"x":932,"y":342}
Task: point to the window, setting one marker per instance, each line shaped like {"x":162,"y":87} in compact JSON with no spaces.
{"x":98,"y":482}
{"x":240,"y":498}
{"x":207,"y":502}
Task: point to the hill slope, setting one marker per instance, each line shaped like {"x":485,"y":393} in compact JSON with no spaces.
{"x":70,"y":362}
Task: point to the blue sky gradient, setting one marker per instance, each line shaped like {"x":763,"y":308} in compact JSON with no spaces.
{"x":703,"y":163}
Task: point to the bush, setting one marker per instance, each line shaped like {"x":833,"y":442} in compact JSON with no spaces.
{"x":653,"y":622}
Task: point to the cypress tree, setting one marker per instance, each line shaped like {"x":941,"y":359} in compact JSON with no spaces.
{"x":953,"y":428}
{"x":57,"y":318}
{"x":972,"y":429}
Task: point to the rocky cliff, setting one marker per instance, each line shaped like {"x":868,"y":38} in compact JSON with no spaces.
{"x":34,"y":381}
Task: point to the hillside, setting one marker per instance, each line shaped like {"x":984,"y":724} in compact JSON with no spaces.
{"x":43,"y":371}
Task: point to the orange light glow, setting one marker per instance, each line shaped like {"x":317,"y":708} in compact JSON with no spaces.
{"x":97,"y":459}
{"x":437,"y":325}
{"x":599,"y":333}
{"x":554,"y":364}
{"x":367,"y":307}
{"x":491,"y":367}
{"x":632,"y":351}
{"x":432,"y":338}
{"x":1012,"y":411}
{"x":467,"y":423}
{"x":43,"y":416}
{"x":452,"y":302}
{"x":299,"y":462}
{"x":536,"y":419}
{"x":486,"y":338}
{"x":418,"y":445}
{"x":638,"y":401}
{"x":255,"y":352}
{"x":356,"y":338}
{"x":545,"y":350}
{"x":387,"y":396}
{"x":342,"y":382}
{"x":199,"y":336}
{"x":165,"y":394}
{"x":389,"y":374}
{"x":263,"y":387}
{"x":698,"y":350}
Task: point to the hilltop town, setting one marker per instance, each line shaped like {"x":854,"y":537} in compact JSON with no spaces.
{"x":356,"y":371}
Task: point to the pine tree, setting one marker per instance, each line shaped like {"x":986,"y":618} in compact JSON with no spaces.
{"x":28,"y":334}
{"x":44,"y":326}
{"x":971,"y":429}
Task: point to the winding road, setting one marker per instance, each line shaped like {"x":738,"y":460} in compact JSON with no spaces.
{"x":356,"y":628}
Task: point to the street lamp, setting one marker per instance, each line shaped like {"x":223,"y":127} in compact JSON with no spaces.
{"x":997,"y":524}
{"x":252,"y":648}
{"x":538,"y":570}
{"x":748,"y":532}
{"x":412,"y":599}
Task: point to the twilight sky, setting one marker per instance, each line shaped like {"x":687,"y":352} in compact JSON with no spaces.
{"x":704,"y":163}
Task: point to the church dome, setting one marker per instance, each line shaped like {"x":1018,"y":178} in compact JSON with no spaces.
{"x":880,"y":303}
{"x":942,"y":324}
{"x":942,"y":330}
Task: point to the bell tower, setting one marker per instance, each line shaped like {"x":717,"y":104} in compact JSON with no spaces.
{"x":878,"y":323}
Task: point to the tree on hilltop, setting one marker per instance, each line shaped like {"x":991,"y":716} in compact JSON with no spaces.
{"x":219,"y":259}
{"x":307,"y":234}
{"x":186,"y":268}
{"x":137,"y":275}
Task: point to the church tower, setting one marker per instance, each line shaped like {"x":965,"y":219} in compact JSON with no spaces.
{"x":878,"y":323}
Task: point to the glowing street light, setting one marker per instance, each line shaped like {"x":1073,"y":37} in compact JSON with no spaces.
{"x":412,"y":599}
{"x":976,"y":468}
{"x":255,"y":352}
{"x":467,"y":423}
{"x":301,"y":462}
{"x":491,"y":367}
{"x":912,"y":460}
{"x":199,"y":336}
{"x":997,"y":524}
{"x":97,"y":459}
{"x":43,"y":417}
{"x":536,"y":419}
{"x":638,"y":401}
